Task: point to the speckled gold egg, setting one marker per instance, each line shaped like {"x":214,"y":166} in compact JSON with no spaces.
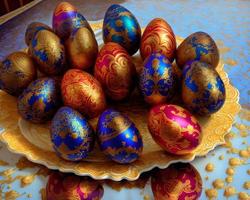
{"x":198,"y":46}
{"x":82,"y":49}
{"x":48,"y":52}
{"x":17,"y":71}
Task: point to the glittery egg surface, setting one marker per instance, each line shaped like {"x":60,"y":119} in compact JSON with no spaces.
{"x":174,"y":129}
{"x":120,"y":26}
{"x":158,"y":37}
{"x":157,"y":81}
{"x":83,"y":92}
{"x":71,"y":135}
{"x":198,"y":46}
{"x":118,"y":137}
{"x":179,"y":181}
{"x":115,"y":71}
{"x":40,"y":100}
{"x":17,"y":71}
{"x":203,"y":91}
{"x":48,"y":52}
{"x":62,"y":186}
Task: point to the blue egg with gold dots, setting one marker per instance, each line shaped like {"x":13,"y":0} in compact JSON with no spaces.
{"x":203,"y":91}
{"x":157,"y":79}
{"x":71,"y":134}
{"x":40,"y":100}
{"x":118,"y":137}
{"x":121,"y":26}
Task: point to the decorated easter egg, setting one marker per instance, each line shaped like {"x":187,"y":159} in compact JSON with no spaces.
{"x":71,"y":135}
{"x":40,"y":100}
{"x":198,"y":46}
{"x":82,"y":49}
{"x":17,"y":71}
{"x":157,"y":81}
{"x":62,"y":186}
{"x":48,"y":52}
{"x":32,"y":29}
{"x":174,"y":129}
{"x":158,"y":37}
{"x":118,"y":137}
{"x":120,"y":26}
{"x":82,"y":92}
{"x":115,"y":71}
{"x":179,"y":181}
{"x":203,"y":91}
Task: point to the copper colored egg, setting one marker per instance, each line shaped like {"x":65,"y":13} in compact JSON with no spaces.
{"x":115,"y":71}
{"x":158,"y":37}
{"x":198,"y":46}
{"x":81,"y":91}
{"x":17,"y":71}
{"x":82,"y":49}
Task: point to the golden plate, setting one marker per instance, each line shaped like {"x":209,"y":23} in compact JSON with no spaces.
{"x":33,"y":141}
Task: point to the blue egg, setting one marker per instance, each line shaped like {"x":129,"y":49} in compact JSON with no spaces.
{"x":120,"y":26}
{"x":71,"y":135}
{"x":118,"y":137}
{"x":157,"y":79}
{"x":40,"y":100}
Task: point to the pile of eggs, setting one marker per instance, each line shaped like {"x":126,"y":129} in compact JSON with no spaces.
{"x":65,"y":79}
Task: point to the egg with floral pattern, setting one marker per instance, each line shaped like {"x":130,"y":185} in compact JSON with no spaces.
{"x":174,"y":129}
{"x":118,"y":137}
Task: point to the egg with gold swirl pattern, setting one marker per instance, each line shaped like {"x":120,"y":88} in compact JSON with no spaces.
{"x":71,"y":135}
{"x":198,"y":46}
{"x":158,"y":37}
{"x":118,"y":137}
{"x":115,"y":71}
{"x":83,"y":92}
{"x":121,"y":26}
{"x":40,"y":100}
{"x":179,"y":181}
{"x":48,"y":52}
{"x":203,"y":91}
{"x":17,"y":71}
{"x":174,"y":129}
{"x":157,"y":81}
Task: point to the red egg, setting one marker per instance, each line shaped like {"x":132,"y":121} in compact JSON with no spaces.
{"x":179,"y":181}
{"x":174,"y":129}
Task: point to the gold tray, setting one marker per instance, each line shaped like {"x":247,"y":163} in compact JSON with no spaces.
{"x":33,"y":141}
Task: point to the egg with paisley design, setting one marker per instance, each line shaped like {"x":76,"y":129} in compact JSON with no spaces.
{"x":158,"y":37}
{"x":71,"y":135}
{"x":179,"y":181}
{"x":157,"y":81}
{"x":48,"y":52}
{"x":63,"y":186}
{"x":17,"y":71}
{"x":198,"y":46}
{"x":115,"y":71}
{"x":40,"y":100}
{"x":203,"y":91}
{"x":121,"y":26}
{"x":83,"y":92}
{"x":174,"y":129}
{"x":118,"y":137}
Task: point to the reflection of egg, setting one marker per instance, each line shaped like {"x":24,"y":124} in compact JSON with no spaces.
{"x":39,"y":101}
{"x":174,"y":129}
{"x":158,"y":37}
{"x":72,"y":136}
{"x":177,"y":182}
{"x":17,"y":71}
{"x":157,"y":81}
{"x":118,"y":137}
{"x":115,"y":71}
{"x":203,"y":91}
{"x":120,"y":26}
